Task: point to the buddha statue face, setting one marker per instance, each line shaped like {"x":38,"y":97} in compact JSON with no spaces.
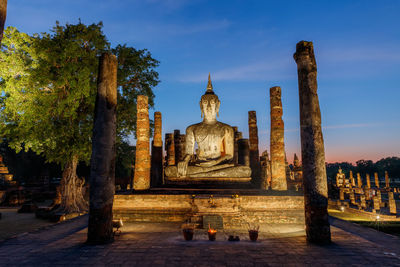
{"x":209,"y":105}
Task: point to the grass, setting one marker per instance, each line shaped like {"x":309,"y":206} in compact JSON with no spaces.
{"x":388,"y":227}
{"x":368,"y":220}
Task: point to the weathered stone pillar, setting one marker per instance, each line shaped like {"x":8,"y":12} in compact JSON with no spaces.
{"x":277,"y":145}
{"x":359,"y":181}
{"x":170,"y":148}
{"x":352,"y":180}
{"x":142,"y":163}
{"x":265,"y":171}
{"x":243,"y":152}
{"x":102,"y":165}
{"x":156,"y":172}
{"x":312,"y":147}
{"x":253,"y":149}
{"x":177,"y":144}
{"x":379,"y":195}
{"x":341,"y":193}
{"x":392,"y":203}
{"x":352,"y":197}
{"x":238,"y":135}
{"x":376,"y":179}
{"x":377,"y":204}
{"x":363,"y":202}
{"x":368,"y":181}
{"x":387,"y":184}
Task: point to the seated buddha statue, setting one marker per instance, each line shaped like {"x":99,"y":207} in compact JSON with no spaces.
{"x":215,"y":146}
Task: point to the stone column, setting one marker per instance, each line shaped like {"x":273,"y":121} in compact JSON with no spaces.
{"x":253,"y":149}
{"x":141,"y":180}
{"x":377,"y":204}
{"x":392,"y":203}
{"x":376,"y":179}
{"x":312,"y":147}
{"x":170,"y":148}
{"x":238,"y":135}
{"x":352,"y":181}
{"x":387,"y":184}
{"x":156,"y":172}
{"x":368,"y":181}
{"x":352,"y":197}
{"x":363,"y":203}
{"x":341,"y":193}
{"x":379,"y":195}
{"x":359,"y":181}
{"x":265,"y":171}
{"x":102,"y":163}
{"x":177,"y":144}
{"x":277,"y":145}
{"x":243,"y":152}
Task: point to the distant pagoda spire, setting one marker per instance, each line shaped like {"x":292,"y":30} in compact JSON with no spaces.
{"x":209,"y":85}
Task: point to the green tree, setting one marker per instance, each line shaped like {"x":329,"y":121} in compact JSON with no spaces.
{"x":48,"y":89}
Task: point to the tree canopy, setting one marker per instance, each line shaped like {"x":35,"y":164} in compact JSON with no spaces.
{"x":48,"y":87}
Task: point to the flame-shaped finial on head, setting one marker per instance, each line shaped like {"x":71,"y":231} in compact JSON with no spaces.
{"x":209,"y":85}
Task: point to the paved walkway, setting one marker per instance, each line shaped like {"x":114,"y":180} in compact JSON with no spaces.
{"x":162,"y":245}
{"x":13,"y":223}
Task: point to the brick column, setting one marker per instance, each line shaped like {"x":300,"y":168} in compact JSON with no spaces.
{"x":253,"y":149}
{"x":243,"y":152}
{"x":312,"y":147}
{"x":142,"y":163}
{"x":265,"y":171}
{"x":277,"y":145}
{"x":359,"y":181}
{"x":368,"y":178}
{"x":352,"y":181}
{"x":376,"y":179}
{"x":177,"y":144}
{"x":156,"y":172}
{"x":387,"y":184}
{"x":170,"y":148}
{"x":392,"y":203}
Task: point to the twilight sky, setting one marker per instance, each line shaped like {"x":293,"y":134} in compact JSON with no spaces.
{"x":248,"y":47}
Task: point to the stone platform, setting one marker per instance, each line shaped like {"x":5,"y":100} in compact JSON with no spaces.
{"x":236,"y":208}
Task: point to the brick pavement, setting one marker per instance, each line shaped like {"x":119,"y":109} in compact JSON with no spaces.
{"x":162,"y":245}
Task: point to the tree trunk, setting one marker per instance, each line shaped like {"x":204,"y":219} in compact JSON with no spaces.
{"x":72,"y":200}
{"x":102,"y":165}
{"x":3,"y":14}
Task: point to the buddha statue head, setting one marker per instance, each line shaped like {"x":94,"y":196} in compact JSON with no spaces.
{"x":209,"y":103}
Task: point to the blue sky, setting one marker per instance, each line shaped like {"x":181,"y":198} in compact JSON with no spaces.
{"x":248,"y":47}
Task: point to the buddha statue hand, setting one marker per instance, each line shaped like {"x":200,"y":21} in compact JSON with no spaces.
{"x":213,"y":162}
{"x":183,"y":166}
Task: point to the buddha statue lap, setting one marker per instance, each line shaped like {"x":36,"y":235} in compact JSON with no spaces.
{"x":215,"y":147}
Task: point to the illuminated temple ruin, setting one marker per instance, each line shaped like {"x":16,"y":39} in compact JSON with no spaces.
{"x":212,"y":175}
